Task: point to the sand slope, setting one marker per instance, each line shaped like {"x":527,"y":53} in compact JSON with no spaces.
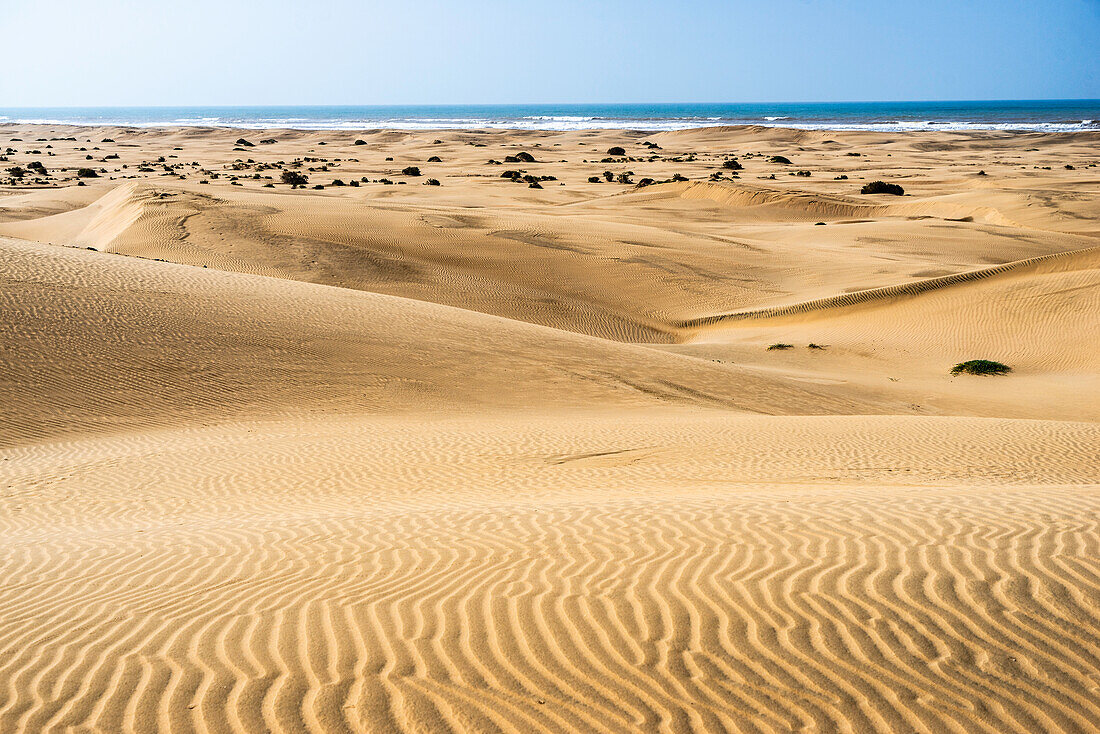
{"x":482,"y":457}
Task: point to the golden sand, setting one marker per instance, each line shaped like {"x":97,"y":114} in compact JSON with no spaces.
{"x":486,"y":457}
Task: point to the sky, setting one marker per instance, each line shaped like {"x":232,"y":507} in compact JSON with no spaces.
{"x":270,"y":52}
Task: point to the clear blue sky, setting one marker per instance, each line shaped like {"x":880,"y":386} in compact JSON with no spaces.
{"x":226,"y":52}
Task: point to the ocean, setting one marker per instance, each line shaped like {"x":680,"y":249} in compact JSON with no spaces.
{"x":1036,"y":115}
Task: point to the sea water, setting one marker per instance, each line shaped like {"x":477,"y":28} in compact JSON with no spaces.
{"x":1036,"y":115}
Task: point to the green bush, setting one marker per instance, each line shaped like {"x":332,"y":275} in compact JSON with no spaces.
{"x":980,"y":367}
{"x":780,"y":346}
{"x":294,"y":178}
{"x":881,"y":187}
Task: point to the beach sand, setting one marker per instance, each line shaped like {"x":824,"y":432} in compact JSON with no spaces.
{"x":487,"y":457}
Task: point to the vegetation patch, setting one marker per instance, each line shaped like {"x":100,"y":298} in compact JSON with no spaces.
{"x":980,"y":367}
{"x":881,"y":187}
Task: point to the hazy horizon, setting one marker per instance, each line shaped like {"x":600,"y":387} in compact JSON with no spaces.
{"x":127,"y":54}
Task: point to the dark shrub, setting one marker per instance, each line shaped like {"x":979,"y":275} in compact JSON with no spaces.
{"x":525,"y":157}
{"x":881,"y":187}
{"x":360,"y":141}
{"x":780,"y":346}
{"x":337,"y":182}
{"x":511,"y":174}
{"x":980,"y":367}
{"x":16,"y":172}
{"x":644,"y":182}
{"x":432,"y":182}
{"x":732,"y":165}
{"x":294,"y":178}
{"x":624,"y":178}
{"x":265,"y":141}
{"x":242,"y":141}
{"x":616,"y":150}
{"x":841,"y":177}
{"x":435,"y":159}
{"x":811,"y":345}
{"x":534,"y":185}
{"x":86,"y":173}
{"x":411,"y":171}
{"x":608,"y":176}
{"x":779,"y":159}
{"x":594,"y":179}
{"x":802,"y":173}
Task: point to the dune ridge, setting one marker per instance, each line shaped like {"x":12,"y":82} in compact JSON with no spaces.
{"x":1060,"y":262}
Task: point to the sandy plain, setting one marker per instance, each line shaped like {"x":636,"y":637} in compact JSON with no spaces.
{"x":487,"y":457}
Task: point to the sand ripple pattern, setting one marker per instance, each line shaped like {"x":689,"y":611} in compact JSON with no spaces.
{"x":625,"y":575}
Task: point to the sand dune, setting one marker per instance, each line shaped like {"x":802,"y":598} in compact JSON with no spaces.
{"x":482,"y":457}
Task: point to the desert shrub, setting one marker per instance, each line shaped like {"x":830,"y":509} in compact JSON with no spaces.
{"x":594,"y":179}
{"x":294,"y":178}
{"x":337,"y":182}
{"x":624,"y":178}
{"x":608,"y":176}
{"x":881,"y":187}
{"x":616,"y":150}
{"x":779,"y":159}
{"x":980,"y":367}
{"x":435,"y":159}
{"x":411,"y":171}
{"x":16,"y":172}
{"x":732,"y":165}
{"x":1068,"y":167}
{"x":811,"y":345}
{"x":841,"y":177}
{"x":265,"y":141}
{"x":37,"y":167}
{"x":780,"y":346}
{"x":525,"y":157}
{"x":353,"y":182}
{"x":360,"y":141}
{"x":644,"y":182}
{"x":432,"y":182}
{"x":677,"y":177}
{"x":511,"y":174}
{"x":86,"y":173}
{"x":534,"y":185}
{"x":242,"y":141}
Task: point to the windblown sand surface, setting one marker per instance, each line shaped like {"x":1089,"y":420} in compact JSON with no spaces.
{"x":486,"y":457}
